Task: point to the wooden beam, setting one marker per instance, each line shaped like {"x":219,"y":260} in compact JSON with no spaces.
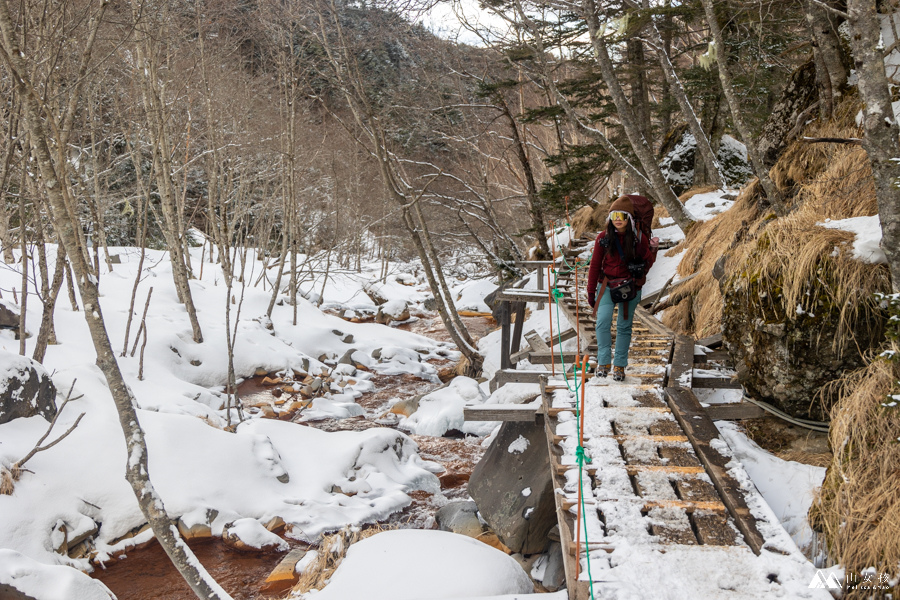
{"x":502,"y":412}
{"x":734,"y":411}
{"x":505,"y":362}
{"x":682,"y":362}
{"x":635,"y":469}
{"x":712,"y":342}
{"x":512,"y":295}
{"x":517,"y":329}
{"x":715,"y":383}
{"x":702,"y":431}
{"x":688,"y":506}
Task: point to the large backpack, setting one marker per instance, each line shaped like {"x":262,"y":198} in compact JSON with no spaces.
{"x":643,"y":215}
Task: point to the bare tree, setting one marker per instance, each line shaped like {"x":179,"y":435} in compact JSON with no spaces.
{"x":56,"y":181}
{"x":882,"y":140}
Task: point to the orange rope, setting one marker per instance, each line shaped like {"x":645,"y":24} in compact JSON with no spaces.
{"x":550,"y":314}
{"x":580,"y":443}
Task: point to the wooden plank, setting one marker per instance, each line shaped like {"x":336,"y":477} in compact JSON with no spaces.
{"x":687,"y":506}
{"x":712,"y":342}
{"x":662,"y":439}
{"x":682,"y":362}
{"x":512,"y":295}
{"x":715,"y":383}
{"x":635,"y":469}
{"x":652,"y":323}
{"x":701,"y":431}
{"x":517,"y":329}
{"x":734,"y":411}
{"x":512,"y":376}
{"x":502,"y":412}
{"x":715,"y":355}
{"x":537,"y":342}
{"x":505,"y":362}
{"x":555,"y":410}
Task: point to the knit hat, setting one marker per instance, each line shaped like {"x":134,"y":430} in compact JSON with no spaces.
{"x":624,"y":204}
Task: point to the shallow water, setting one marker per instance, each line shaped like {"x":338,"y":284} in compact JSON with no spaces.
{"x":147,"y":573}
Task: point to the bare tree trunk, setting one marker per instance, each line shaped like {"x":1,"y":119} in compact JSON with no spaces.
{"x":153,"y":105}
{"x":47,"y":335}
{"x":827,"y":44}
{"x":881,"y":140}
{"x":663,"y":191}
{"x":734,"y":104}
{"x":713,"y":169}
{"x":137,"y":469}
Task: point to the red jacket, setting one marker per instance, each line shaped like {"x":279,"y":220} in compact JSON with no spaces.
{"x":608,"y":262}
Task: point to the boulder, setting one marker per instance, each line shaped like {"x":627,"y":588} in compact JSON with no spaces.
{"x":554,"y":573}
{"x":395,"y":310}
{"x":9,"y":315}
{"x":785,"y":356}
{"x":25,"y":389}
{"x":508,"y":468}
{"x":460,"y":517}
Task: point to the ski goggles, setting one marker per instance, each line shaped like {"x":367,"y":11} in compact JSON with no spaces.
{"x":618,"y":215}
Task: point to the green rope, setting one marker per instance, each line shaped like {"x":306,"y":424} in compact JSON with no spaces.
{"x":580,"y":456}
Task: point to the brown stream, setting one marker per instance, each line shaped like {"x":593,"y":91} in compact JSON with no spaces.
{"x":147,"y":573}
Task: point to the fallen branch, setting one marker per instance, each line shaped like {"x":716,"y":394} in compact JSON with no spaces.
{"x":832,"y":140}
{"x":38,"y":447}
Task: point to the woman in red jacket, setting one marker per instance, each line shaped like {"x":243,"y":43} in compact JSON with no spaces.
{"x":621,"y":254}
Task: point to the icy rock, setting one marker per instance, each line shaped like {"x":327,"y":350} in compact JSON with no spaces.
{"x":376,"y":353}
{"x":9,"y":316}
{"x":498,"y":480}
{"x":373,"y":291}
{"x":249,"y":535}
{"x":25,"y":389}
{"x":460,"y":517}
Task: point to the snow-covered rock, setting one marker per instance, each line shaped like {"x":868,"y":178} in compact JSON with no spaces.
{"x":410,"y":564}
{"x":25,"y":388}
{"x":33,"y":580}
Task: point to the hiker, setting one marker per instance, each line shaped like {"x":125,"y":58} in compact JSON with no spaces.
{"x":622,"y":256}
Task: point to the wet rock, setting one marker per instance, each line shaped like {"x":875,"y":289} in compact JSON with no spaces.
{"x":460,"y":517}
{"x":430,"y":304}
{"x":348,"y":339}
{"x":376,"y":353}
{"x":194,"y":530}
{"x":25,"y":389}
{"x":520,"y":521}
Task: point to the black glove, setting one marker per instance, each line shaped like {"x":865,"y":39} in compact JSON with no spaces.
{"x":591,"y":299}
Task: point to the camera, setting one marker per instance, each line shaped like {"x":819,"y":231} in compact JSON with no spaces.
{"x":636,"y":268}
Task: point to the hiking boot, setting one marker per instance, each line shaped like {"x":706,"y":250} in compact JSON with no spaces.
{"x":619,"y":373}
{"x":601,"y":371}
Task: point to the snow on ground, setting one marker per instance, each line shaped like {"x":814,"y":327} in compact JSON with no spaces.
{"x":867,"y":245}
{"x":46,"y":582}
{"x":788,"y":487}
{"x":314,"y":480}
{"x":424,"y":565}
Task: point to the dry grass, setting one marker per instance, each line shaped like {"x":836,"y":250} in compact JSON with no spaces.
{"x":8,"y":480}
{"x":858,"y":507}
{"x":816,"y":459}
{"x":791,"y":256}
{"x":697,"y":190}
{"x":330,"y":552}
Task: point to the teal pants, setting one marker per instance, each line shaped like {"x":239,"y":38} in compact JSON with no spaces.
{"x":623,"y":330}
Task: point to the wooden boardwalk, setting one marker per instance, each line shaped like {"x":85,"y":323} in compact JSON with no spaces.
{"x":658,"y":483}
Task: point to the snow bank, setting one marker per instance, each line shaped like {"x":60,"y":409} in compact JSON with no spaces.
{"x":787,"y":486}
{"x":312,"y":479}
{"x":43,"y":582}
{"x":867,"y":246}
{"x":413,"y":564}
{"x":442,"y":410}
{"x":470,"y":295}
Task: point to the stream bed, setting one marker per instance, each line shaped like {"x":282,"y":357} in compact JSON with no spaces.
{"x":147,"y":574}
